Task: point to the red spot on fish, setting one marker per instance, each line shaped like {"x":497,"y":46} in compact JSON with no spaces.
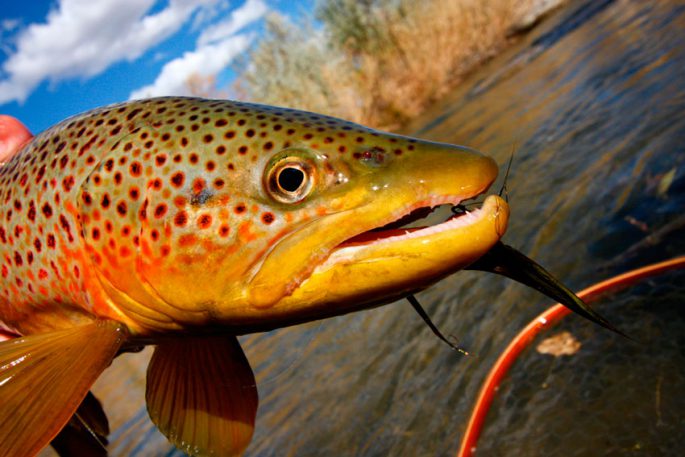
{"x":160,"y":210}
{"x":68,"y":183}
{"x":142,"y":213}
{"x":181,"y":219}
{"x":204,"y":221}
{"x":198,"y":185}
{"x":47,"y":210}
{"x":136,"y":169}
{"x":268,"y":218}
{"x":177,"y":179}
{"x":66,"y":227}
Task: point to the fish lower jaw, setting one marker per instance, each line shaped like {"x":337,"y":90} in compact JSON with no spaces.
{"x":377,"y":271}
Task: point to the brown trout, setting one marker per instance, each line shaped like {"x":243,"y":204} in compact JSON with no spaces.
{"x":184,"y":222}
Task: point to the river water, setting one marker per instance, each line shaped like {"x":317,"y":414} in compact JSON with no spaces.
{"x":592,"y":105}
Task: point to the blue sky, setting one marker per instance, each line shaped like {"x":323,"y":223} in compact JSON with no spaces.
{"x":62,"y":57}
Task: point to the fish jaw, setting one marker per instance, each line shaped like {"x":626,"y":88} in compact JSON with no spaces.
{"x":363,"y":275}
{"x":340,"y":273}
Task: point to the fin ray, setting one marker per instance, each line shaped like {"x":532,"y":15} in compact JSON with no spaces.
{"x":45,"y":377}
{"x":201,"y":394}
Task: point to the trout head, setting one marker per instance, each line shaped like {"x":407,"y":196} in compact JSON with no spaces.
{"x":255,"y":217}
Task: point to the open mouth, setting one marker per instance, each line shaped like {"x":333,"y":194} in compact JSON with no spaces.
{"x":420,"y":221}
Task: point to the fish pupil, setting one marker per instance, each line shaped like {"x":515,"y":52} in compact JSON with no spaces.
{"x":290,"y":179}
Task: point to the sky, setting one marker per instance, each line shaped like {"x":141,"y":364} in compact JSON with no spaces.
{"x":62,"y":57}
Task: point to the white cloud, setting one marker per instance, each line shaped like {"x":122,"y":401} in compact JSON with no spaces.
{"x":82,"y":38}
{"x":249,"y":12}
{"x":204,"y":61}
{"x":216,"y":48}
{"x":207,"y":15}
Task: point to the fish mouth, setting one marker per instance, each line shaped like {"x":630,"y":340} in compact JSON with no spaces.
{"x":419,"y":220}
{"x":399,"y":256}
{"x":417,"y":224}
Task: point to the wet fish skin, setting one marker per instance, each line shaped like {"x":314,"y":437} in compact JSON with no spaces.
{"x":187,"y":221}
{"x":110,"y":213}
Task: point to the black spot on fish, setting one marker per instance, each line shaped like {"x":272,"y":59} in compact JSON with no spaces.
{"x":201,"y":197}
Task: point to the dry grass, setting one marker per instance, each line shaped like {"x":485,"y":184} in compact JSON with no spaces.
{"x":377,"y":62}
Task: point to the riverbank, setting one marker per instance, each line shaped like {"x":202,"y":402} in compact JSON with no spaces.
{"x":381,"y":63}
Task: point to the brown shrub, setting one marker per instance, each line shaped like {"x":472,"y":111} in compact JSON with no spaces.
{"x":376,"y":62}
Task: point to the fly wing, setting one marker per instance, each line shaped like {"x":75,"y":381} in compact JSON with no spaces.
{"x":44,"y":378}
{"x":507,"y":261}
{"x":201,"y":393}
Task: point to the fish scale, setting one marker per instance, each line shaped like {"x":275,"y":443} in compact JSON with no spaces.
{"x":118,"y":189}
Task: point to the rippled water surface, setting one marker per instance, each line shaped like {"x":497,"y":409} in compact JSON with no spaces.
{"x":592,"y":103}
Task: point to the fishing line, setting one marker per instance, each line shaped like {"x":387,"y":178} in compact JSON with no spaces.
{"x":419,"y":309}
{"x":504,"y":189}
{"x":92,"y":432}
{"x":294,"y":362}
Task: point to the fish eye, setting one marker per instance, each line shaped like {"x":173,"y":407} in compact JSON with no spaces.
{"x":290,"y":180}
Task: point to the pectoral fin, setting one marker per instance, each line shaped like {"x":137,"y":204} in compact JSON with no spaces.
{"x":201,"y":393}
{"x":44,"y":378}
